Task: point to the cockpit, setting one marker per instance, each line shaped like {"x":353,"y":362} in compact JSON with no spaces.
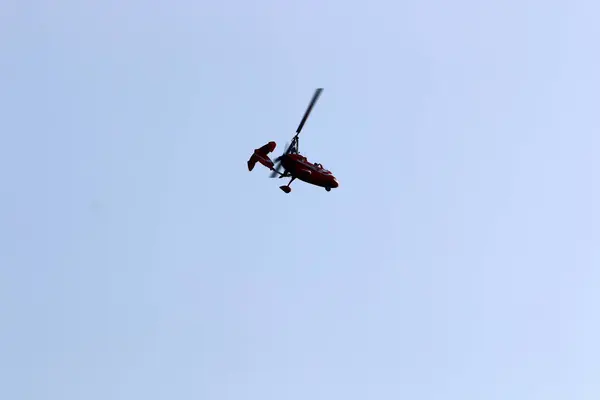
{"x":320,"y":167}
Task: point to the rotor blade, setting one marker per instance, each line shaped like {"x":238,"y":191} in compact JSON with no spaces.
{"x":276,"y":171}
{"x":309,"y":109}
{"x":275,"y":174}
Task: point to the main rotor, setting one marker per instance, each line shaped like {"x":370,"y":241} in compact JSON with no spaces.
{"x":312,"y":103}
{"x":293,"y":148}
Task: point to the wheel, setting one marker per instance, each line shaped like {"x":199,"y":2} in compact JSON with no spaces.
{"x":328,"y":189}
{"x":286,"y":189}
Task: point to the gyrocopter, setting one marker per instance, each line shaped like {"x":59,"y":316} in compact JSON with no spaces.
{"x":295,"y":165}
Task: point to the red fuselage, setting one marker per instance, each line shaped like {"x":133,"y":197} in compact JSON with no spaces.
{"x":299,"y":167}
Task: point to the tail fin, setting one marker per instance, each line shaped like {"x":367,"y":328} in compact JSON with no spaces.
{"x":260,"y":155}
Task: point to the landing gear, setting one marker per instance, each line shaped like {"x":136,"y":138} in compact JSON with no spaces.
{"x":287,"y":187}
{"x":328,"y":189}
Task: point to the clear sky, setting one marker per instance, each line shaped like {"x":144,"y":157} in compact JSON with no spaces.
{"x":458,"y":260}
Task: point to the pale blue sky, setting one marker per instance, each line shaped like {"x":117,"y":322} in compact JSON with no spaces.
{"x":459,"y":258}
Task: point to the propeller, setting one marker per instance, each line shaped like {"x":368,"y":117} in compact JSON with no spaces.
{"x":277,"y":168}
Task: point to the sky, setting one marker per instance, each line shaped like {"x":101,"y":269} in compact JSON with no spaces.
{"x":458,"y":259}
